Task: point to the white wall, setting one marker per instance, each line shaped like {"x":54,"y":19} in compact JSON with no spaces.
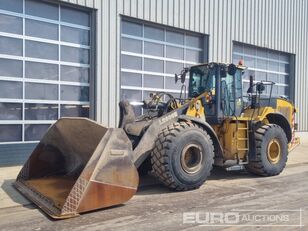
{"x":274,"y":24}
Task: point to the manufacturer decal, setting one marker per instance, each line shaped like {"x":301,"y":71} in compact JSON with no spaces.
{"x":168,"y":117}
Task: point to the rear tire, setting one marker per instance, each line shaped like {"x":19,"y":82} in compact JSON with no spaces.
{"x":183,"y":156}
{"x":271,"y":151}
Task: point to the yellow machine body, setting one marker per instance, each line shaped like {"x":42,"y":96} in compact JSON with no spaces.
{"x":233,"y":133}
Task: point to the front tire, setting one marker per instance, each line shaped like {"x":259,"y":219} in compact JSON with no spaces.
{"x":271,"y":151}
{"x":183,"y":156}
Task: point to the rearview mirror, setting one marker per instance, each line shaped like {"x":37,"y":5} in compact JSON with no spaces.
{"x":183,"y":77}
{"x":260,"y":87}
{"x":176,"y":78}
{"x":232,"y":69}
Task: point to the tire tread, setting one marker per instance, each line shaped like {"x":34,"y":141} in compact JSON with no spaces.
{"x":258,"y":167}
{"x":159,"y":157}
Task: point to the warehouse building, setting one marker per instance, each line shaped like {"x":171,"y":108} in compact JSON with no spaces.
{"x":80,"y":57}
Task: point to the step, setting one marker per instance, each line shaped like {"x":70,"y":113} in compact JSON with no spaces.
{"x":242,"y":138}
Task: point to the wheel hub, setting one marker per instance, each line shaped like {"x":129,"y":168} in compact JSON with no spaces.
{"x":191,"y":158}
{"x":273,"y":151}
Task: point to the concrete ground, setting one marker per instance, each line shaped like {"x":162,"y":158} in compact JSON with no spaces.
{"x":156,"y":208}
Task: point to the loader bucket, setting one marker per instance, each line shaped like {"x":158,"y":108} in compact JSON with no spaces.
{"x":79,"y":166}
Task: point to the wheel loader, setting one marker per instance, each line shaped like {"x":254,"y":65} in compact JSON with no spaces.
{"x":80,"y":165}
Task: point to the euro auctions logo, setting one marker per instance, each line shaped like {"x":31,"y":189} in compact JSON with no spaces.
{"x":267,"y":218}
{"x":211,"y":218}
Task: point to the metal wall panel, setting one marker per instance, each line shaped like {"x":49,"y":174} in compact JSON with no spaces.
{"x":12,"y":154}
{"x":275,"y":24}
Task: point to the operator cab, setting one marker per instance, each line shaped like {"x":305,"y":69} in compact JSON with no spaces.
{"x":221,"y":88}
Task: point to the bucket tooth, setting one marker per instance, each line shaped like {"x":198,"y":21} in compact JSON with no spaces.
{"x":77,"y":167}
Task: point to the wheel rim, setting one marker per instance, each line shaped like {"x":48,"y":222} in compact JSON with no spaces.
{"x":274,"y":151}
{"x":191,"y":158}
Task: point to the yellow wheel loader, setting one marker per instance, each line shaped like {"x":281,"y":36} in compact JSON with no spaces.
{"x":80,"y":165}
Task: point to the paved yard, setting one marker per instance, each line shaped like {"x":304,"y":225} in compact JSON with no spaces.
{"x":156,"y":208}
